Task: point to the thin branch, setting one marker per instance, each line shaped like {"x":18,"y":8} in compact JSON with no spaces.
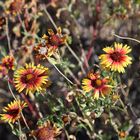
{"x":7,"y":34}
{"x":63,"y":74}
{"x":126,"y":38}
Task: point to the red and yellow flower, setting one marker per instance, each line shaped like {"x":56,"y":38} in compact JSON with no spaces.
{"x":31,"y":78}
{"x":8,"y":62}
{"x":116,"y":59}
{"x":13,"y":111}
{"x":49,"y":44}
{"x":95,"y":83}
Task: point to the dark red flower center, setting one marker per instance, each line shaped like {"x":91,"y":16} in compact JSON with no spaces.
{"x":55,"y":40}
{"x":13,"y":112}
{"x":8,"y":64}
{"x":29,"y":78}
{"x":116,"y":56}
{"x":96,"y":83}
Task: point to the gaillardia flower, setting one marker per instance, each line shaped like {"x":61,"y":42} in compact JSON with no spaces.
{"x":49,"y":44}
{"x":12,"y":111}
{"x":46,"y":132}
{"x":116,"y":59}
{"x":8,"y":62}
{"x":95,"y":83}
{"x":31,"y":78}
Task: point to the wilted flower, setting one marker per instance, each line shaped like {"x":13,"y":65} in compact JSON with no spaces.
{"x":116,"y":58}
{"x":122,"y":134}
{"x":12,"y":111}
{"x":3,"y":71}
{"x":49,"y":44}
{"x":46,"y":132}
{"x":15,"y":6}
{"x":94,"y":82}
{"x":2,"y":22}
{"x":31,"y":78}
{"x":70,"y":96}
{"x":8,"y":62}
{"x":66,"y":119}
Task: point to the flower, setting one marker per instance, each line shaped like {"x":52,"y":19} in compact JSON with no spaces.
{"x":49,"y":44}
{"x":116,"y":59}
{"x":15,"y":6}
{"x":8,"y":62}
{"x":94,"y":82}
{"x":12,"y":111}
{"x":31,"y":78}
{"x":46,"y":132}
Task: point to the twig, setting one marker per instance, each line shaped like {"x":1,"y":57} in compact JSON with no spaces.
{"x":124,"y":107}
{"x":20,"y":131}
{"x":76,"y":57}
{"x":62,"y":74}
{"x":7,"y":34}
{"x":22,"y":23}
{"x":127,"y":38}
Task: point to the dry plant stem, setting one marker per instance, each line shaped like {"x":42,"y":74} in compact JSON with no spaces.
{"x":83,"y":51}
{"x":66,"y":133}
{"x":36,"y":105}
{"x":127,"y":38}
{"x":113,"y":124}
{"x":22,"y":23}
{"x":29,"y":104}
{"x":76,"y":57}
{"x":73,"y":76}
{"x":7,"y":34}
{"x":62,"y":74}
{"x":69,"y":48}
{"x":20,"y":131}
{"x":125,"y":110}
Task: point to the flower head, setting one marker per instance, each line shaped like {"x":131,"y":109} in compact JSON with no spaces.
{"x":47,"y":132}
{"x":8,"y":62}
{"x":94,"y":82}
{"x":31,"y":78}
{"x":116,"y":59}
{"x":15,"y":6}
{"x":49,"y":44}
{"x":12,"y":111}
